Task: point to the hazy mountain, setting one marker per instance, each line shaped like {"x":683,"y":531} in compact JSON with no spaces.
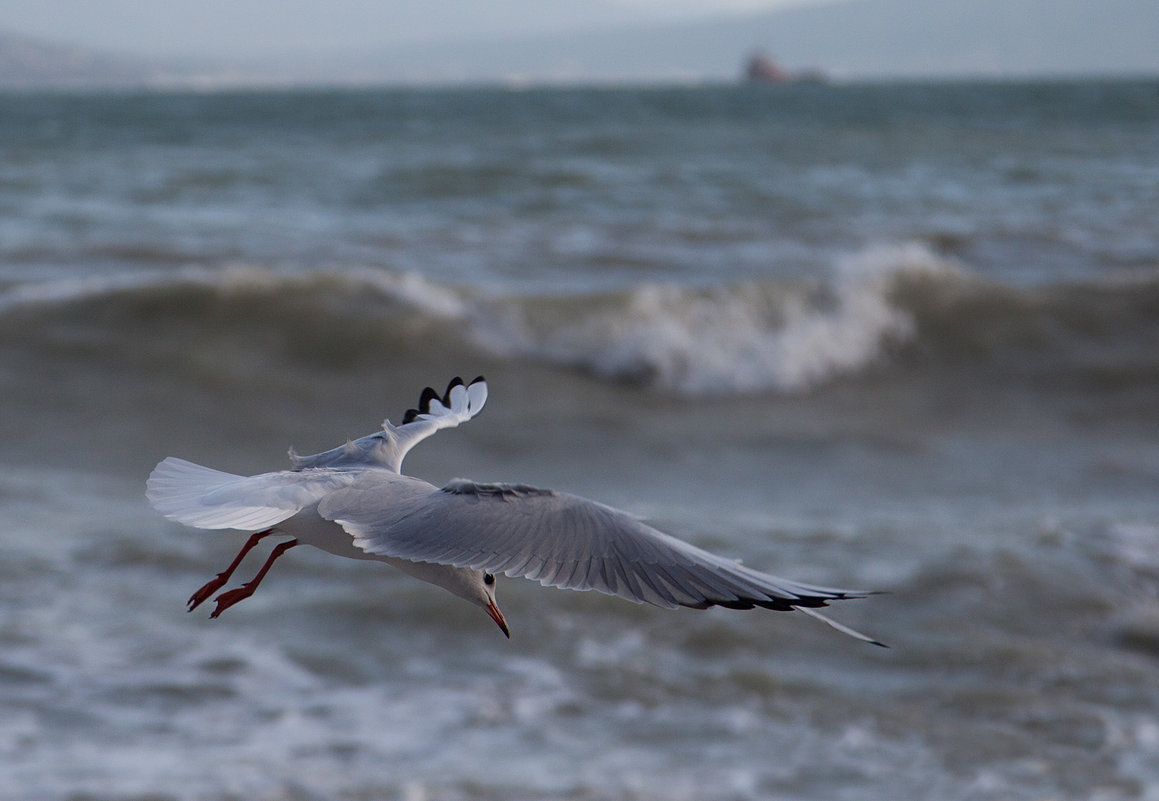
{"x":232,"y":30}
{"x":967,"y":37}
{"x":27,"y":63}
{"x":846,"y":38}
{"x":852,"y":38}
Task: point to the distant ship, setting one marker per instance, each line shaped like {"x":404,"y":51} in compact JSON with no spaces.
{"x":760,"y":68}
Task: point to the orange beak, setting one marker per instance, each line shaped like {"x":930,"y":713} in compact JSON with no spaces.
{"x":497,"y":616}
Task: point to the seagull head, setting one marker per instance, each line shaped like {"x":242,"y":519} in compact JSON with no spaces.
{"x":478,"y":587}
{"x":487,"y":601}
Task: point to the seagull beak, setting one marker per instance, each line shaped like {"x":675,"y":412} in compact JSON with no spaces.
{"x":497,"y":616}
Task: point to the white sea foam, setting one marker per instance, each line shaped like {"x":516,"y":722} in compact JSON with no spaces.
{"x":746,"y":337}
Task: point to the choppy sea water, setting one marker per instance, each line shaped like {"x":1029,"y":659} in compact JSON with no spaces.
{"x":902,"y":338}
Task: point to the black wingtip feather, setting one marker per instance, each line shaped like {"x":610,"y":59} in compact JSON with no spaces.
{"x":455,"y":382}
{"x":426,"y":398}
{"x":429,"y":394}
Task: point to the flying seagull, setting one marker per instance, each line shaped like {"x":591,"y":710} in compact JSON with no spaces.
{"x":353,"y":501}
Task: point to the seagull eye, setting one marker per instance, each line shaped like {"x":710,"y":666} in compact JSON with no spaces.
{"x":488,"y":579}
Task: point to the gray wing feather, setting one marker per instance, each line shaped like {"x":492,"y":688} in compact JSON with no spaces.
{"x":559,"y":540}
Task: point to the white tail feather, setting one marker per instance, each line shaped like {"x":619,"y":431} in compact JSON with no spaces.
{"x":179,"y":490}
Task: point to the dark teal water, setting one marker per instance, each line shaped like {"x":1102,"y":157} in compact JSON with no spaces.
{"x":898,"y":337}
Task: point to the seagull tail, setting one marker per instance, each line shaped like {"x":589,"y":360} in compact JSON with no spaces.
{"x":857,"y":635}
{"x":178,"y":489}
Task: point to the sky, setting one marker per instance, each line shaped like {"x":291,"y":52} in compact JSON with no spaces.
{"x":240,"y":28}
{"x":452,"y":41}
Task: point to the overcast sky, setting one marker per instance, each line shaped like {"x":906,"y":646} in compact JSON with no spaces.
{"x":236,"y":28}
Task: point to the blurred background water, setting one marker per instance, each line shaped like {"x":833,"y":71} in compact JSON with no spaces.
{"x":898,"y":337}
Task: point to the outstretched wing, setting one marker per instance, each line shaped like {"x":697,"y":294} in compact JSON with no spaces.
{"x":563,"y":541}
{"x":386,"y":448}
{"x":206,"y":498}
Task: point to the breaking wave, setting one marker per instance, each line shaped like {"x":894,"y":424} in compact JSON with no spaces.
{"x":887,"y":305}
{"x":753,"y":336}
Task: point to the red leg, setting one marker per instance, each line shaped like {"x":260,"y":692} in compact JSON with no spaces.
{"x":228,"y":599}
{"x":217,"y":583}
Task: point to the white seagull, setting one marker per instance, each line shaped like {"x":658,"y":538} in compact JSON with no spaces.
{"x":353,"y":501}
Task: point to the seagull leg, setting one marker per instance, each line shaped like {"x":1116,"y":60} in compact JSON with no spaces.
{"x":228,"y":599}
{"x":217,"y":583}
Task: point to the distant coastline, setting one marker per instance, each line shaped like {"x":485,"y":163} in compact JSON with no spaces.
{"x":852,"y":40}
{"x":28,"y":63}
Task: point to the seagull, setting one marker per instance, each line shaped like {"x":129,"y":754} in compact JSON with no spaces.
{"x":354,"y":501}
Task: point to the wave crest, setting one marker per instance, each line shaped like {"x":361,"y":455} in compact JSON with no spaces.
{"x":902,"y":303}
{"x":754,"y":336}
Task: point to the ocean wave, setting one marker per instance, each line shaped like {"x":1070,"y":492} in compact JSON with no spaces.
{"x":900,"y":304}
{"x":746,"y":337}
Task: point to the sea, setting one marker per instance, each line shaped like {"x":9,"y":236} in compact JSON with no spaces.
{"x":900,"y":337}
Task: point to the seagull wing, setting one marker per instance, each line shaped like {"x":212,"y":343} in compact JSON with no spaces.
{"x":561,"y":540}
{"x":458,"y":404}
{"x":206,"y":498}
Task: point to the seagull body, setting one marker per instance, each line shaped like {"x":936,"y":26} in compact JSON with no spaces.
{"x":353,"y":501}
